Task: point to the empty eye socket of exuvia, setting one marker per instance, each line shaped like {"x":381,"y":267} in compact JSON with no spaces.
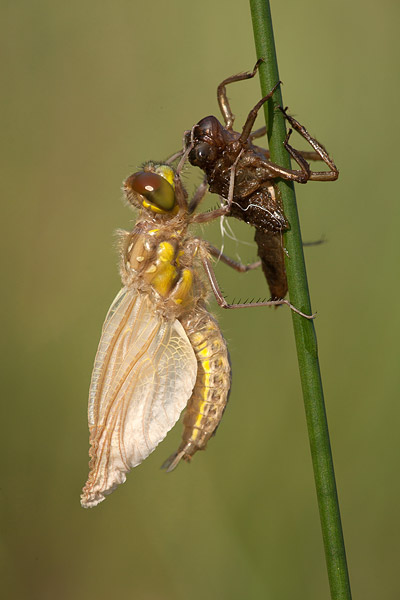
{"x":202,"y":153}
{"x":154,"y":188}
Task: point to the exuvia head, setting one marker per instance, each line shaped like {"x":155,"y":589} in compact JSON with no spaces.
{"x":207,"y":139}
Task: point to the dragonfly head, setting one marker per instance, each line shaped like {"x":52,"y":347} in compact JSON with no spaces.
{"x":152,"y":189}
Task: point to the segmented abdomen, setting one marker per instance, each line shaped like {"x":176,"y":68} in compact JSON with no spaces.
{"x":211,"y":391}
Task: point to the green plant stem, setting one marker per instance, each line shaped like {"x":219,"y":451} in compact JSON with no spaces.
{"x":304,"y":330}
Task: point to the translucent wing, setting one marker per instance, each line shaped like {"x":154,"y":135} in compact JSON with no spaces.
{"x":144,"y":373}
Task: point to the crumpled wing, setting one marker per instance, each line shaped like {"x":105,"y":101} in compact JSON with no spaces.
{"x":144,"y":373}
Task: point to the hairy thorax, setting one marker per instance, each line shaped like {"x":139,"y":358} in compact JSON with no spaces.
{"x":162,"y":261}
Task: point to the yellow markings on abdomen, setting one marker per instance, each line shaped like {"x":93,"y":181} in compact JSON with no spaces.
{"x":210,"y":393}
{"x":212,"y":388}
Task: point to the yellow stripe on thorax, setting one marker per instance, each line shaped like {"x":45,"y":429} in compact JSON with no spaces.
{"x":165,"y":272}
{"x":183,"y":288}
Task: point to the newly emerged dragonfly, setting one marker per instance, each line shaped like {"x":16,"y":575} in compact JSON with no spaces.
{"x":241,"y":173}
{"x":160,"y":350}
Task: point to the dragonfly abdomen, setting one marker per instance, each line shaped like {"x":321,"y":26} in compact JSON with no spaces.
{"x":211,"y":391}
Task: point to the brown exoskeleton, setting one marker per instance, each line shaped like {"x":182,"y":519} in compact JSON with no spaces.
{"x":241,"y":173}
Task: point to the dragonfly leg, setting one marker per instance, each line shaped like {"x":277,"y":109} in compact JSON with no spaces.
{"x":224,"y":304}
{"x":234,"y":264}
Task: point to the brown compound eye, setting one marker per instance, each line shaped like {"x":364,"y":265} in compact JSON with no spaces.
{"x":154,"y":188}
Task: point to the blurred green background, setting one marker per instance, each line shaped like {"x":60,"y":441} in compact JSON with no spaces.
{"x":90,"y":91}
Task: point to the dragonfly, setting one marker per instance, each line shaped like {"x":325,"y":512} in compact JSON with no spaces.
{"x":161,"y":350}
{"x":243,"y":174}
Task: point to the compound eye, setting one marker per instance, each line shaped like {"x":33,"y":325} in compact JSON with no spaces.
{"x":202,"y":153}
{"x":154,"y":188}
